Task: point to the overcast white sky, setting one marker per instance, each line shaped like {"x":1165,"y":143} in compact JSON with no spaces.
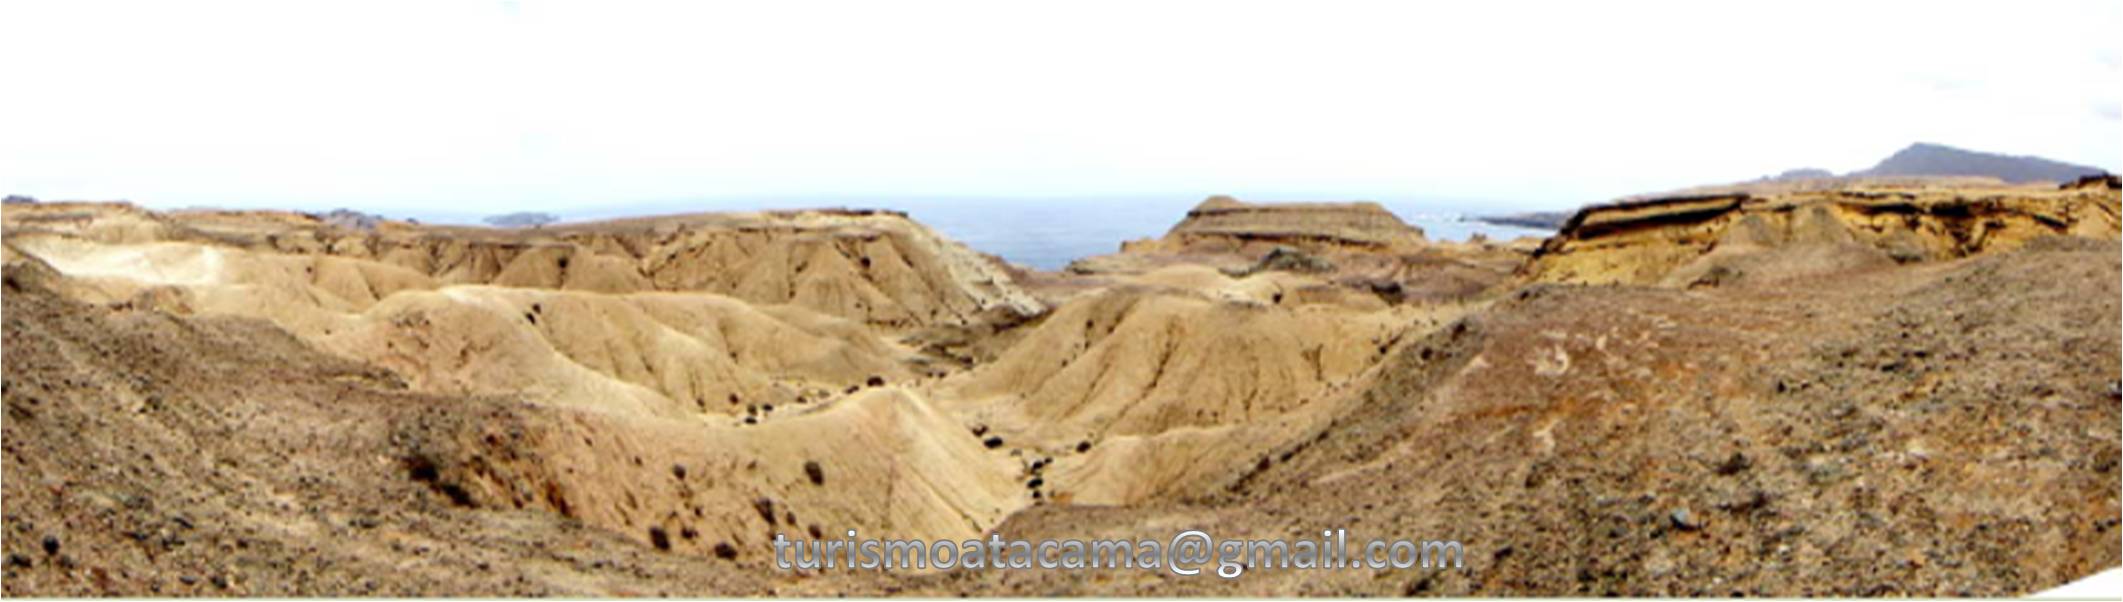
{"x":496,"y":105}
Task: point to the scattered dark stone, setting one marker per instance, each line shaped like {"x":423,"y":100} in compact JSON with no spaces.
{"x":689,"y":533}
{"x":992,"y":442}
{"x":751,"y":420}
{"x":1390,"y":291}
{"x":815,"y":472}
{"x":422,"y":469}
{"x":1685,"y":521}
{"x":51,"y":544}
{"x":1755,"y":500}
{"x":1418,"y":586}
{"x":658,"y":538}
{"x":1734,"y":465}
{"x":1035,"y":483}
{"x":18,"y":560}
{"x":980,"y":429}
{"x":1717,"y":276}
{"x":816,"y":532}
{"x":766,"y":509}
{"x":1083,"y":446}
{"x":678,"y":470}
{"x":875,"y":381}
{"x":725,"y":551}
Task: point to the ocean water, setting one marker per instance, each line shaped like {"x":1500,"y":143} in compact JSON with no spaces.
{"x":1049,"y":233}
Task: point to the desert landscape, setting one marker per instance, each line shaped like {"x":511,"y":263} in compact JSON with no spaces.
{"x":1873,"y":384}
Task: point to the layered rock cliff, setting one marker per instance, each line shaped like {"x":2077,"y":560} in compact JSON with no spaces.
{"x":1716,"y":237}
{"x":1225,"y":224}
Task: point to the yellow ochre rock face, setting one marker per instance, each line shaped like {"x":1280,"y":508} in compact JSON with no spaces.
{"x":1722,"y":236}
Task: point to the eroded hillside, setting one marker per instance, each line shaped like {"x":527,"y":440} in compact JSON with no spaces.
{"x":1714,"y":236}
{"x":1937,"y":430}
{"x":872,"y":266}
{"x":265,"y":402}
{"x":699,"y":383}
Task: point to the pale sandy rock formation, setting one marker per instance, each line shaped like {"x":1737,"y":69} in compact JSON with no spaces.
{"x":1223,"y":224}
{"x":1172,"y":391}
{"x":1708,"y":238}
{"x":642,"y":400}
{"x":886,"y":462}
{"x":874,"y":266}
{"x":636,"y":407}
{"x":1357,"y":246}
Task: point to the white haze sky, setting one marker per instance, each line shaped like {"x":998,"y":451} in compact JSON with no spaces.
{"x":493,"y":106}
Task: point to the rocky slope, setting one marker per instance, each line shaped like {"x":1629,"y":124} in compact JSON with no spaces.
{"x":1715,"y":237}
{"x":1936,"y":430}
{"x":1876,"y":389}
{"x":153,"y":454}
{"x":651,"y":413}
{"x":700,"y":422}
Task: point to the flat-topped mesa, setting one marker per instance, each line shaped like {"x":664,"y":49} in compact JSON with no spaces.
{"x":1223,"y":224}
{"x":1343,"y":247}
{"x":1707,"y":237}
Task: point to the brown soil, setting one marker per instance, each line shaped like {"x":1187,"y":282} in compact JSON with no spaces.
{"x":1936,"y":431}
{"x":238,"y":403}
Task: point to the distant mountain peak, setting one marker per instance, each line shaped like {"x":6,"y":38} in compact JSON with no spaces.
{"x":1933,"y":159}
